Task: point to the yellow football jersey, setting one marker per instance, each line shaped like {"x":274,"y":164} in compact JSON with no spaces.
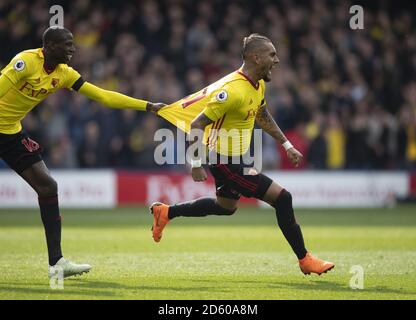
{"x":231,"y":102}
{"x":31,"y":84}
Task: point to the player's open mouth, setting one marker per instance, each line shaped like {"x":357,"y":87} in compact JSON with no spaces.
{"x":273,"y":66}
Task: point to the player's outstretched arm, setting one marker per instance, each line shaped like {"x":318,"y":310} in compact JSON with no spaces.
{"x":265,"y":120}
{"x":5,"y":85}
{"x":117,"y":100}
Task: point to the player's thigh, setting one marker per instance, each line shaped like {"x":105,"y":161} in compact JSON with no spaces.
{"x":38,"y":173}
{"x":272,"y":193}
{"x":39,"y":177}
{"x":227,"y":203}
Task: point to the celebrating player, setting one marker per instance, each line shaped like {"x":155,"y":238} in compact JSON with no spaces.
{"x":30,"y":77}
{"x":229,"y":108}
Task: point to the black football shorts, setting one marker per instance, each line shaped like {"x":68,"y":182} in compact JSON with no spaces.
{"x":19,"y":151}
{"x":232,"y":183}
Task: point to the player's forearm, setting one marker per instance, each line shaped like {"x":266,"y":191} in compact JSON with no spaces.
{"x":265,"y":120}
{"x":197,"y":130}
{"x":112,"y":99}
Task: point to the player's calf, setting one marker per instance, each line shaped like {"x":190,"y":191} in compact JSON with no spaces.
{"x":199,"y":208}
{"x":287,"y":223}
{"x":293,"y":234}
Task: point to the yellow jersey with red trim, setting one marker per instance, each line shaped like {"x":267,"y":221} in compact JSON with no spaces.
{"x":31,"y":84}
{"x":231,"y":102}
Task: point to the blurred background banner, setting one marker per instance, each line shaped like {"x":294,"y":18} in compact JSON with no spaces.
{"x":109,"y":189}
{"x":77,"y":189}
{"x":343,"y":190}
{"x":345,"y":98}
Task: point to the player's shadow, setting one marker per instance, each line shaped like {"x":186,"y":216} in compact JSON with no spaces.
{"x":45,"y":289}
{"x":323,"y":285}
{"x":92,"y":288}
{"x":95,"y":284}
{"x":334,"y":286}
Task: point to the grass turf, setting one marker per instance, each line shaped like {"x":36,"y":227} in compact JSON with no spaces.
{"x":240,"y":257}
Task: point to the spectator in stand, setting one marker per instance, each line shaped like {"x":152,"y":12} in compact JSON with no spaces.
{"x":362,"y":82}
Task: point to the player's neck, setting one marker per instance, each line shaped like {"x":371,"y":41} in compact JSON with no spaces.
{"x":49,"y":63}
{"x":250,"y":73}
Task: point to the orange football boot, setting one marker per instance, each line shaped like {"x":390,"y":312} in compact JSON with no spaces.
{"x":312,"y":264}
{"x":160,"y":219}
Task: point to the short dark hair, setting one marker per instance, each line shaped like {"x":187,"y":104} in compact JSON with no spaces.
{"x":252,"y":43}
{"x":53,"y":34}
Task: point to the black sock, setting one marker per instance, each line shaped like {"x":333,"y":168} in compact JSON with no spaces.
{"x":287,"y":223}
{"x":49,"y":212}
{"x":198,"y":208}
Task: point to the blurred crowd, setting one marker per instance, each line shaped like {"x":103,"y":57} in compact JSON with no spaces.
{"x":345,"y":98}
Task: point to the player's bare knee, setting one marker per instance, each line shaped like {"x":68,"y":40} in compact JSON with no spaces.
{"x":226,"y":211}
{"x":273,"y":193}
{"x":48,"y":188}
{"x":285,"y":196}
{"x":226,"y":206}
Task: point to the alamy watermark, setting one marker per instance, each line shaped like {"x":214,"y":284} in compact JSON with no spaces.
{"x":357,"y":280}
{"x":357,"y":20}
{"x":57,"y":20}
{"x":56,"y":278}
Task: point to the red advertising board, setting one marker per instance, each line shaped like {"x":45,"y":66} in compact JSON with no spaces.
{"x":138,"y":188}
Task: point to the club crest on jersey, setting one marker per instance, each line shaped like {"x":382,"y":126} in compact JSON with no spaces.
{"x":221,"y":96}
{"x":54,"y":82}
{"x":19,"y":65}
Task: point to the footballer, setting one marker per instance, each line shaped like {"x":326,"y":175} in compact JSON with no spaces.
{"x":234,"y":103}
{"x":30,"y":77}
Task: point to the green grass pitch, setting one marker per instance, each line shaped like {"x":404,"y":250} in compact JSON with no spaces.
{"x":240,"y":257}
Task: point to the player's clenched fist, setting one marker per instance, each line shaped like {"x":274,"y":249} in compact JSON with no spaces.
{"x":199,"y":174}
{"x":154,"y":107}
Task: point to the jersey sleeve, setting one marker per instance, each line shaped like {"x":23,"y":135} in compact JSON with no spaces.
{"x":221,"y":100}
{"x":18,"y":69}
{"x":73,"y":79}
{"x":111,"y":98}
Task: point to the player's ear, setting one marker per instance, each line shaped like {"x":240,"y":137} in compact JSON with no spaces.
{"x":49,"y":47}
{"x":256,"y":58}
